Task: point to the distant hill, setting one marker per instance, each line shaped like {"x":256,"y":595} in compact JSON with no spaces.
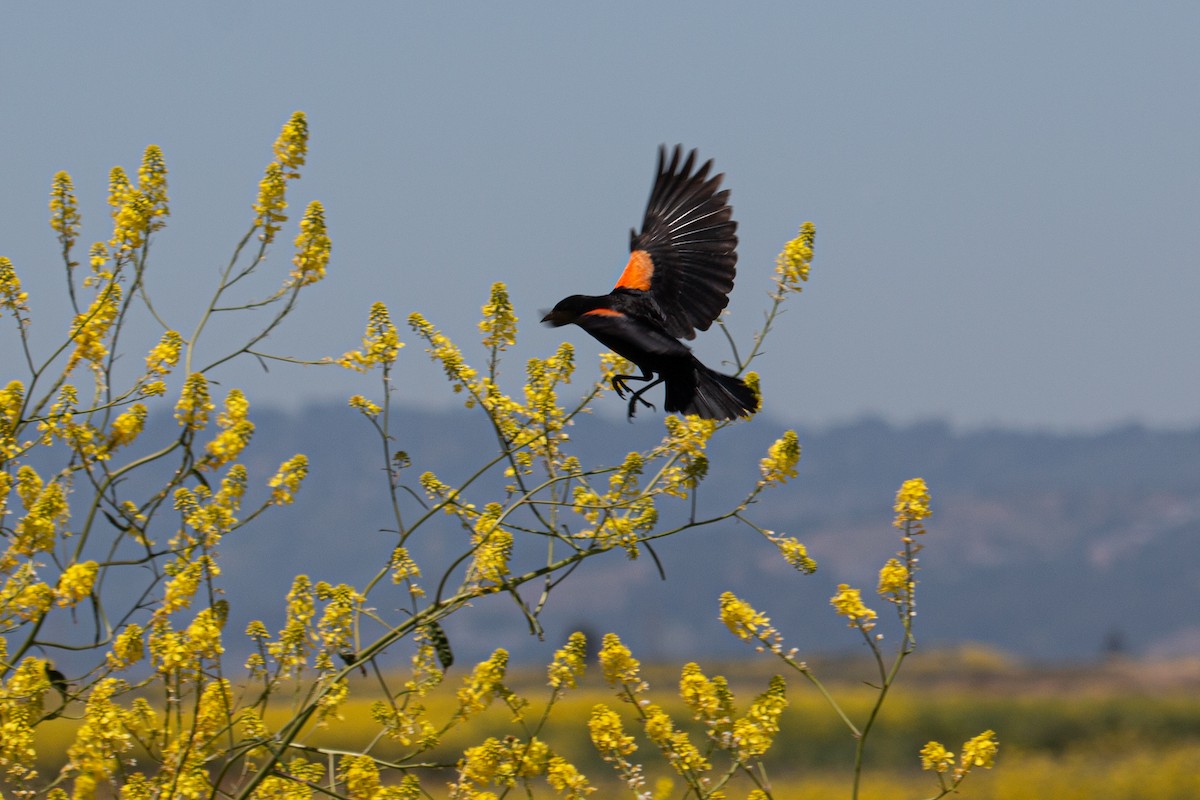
{"x":1049,"y":546}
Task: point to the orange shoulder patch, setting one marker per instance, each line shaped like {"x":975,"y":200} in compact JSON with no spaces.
{"x":638,"y":272}
{"x":602,"y":312}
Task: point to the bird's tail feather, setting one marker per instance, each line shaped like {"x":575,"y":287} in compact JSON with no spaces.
{"x":709,"y":394}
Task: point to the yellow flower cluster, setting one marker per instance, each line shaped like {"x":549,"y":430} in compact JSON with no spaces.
{"x":21,"y":708}
{"x":127,"y":426}
{"x":128,"y":648}
{"x":12,"y":296}
{"x":912,"y":506}
{"x":569,"y":662}
{"x":794,"y":552}
{"x":12,"y":402}
{"x":620,"y":667}
{"x":504,"y":763}
{"x":623,"y":513}
{"x":312,"y":246}
{"x":46,"y":512}
{"x":848,"y":602}
{"x":675,"y":745}
{"x":194,"y":403}
{"x":100,"y":740}
{"x":895,"y":582}
{"x":76,"y":582}
{"x":295,"y":638}
{"x":608,"y":735}
{"x":685,"y":444}
{"x":485,"y":683}
{"x":404,"y":570}
{"x":793,"y":264}
{"x":499,"y":324}
{"x":137,"y":211}
{"x":978,"y":751}
{"x":782,"y":458}
{"x":286,"y":482}
{"x":445,"y":352}
{"x":336,"y":626}
{"x":381,"y":343}
{"x":754,"y":733}
{"x":493,"y":546}
{"x":236,"y":430}
{"x":92,"y":327}
{"x":209,"y":514}
{"x":291,"y":149}
{"x":152,"y":183}
{"x":747,"y":624}
{"x":159,"y":362}
{"x":64,"y":210}
{"x":710,"y":700}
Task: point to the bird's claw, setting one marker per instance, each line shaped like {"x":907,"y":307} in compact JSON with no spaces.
{"x":634,"y":400}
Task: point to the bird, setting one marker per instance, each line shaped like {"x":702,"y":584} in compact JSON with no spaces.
{"x":677,"y":281}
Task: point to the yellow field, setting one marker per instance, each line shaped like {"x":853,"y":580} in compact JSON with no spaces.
{"x":1120,"y":730}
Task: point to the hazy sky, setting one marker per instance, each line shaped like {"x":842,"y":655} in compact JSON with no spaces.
{"x":1007,"y":196}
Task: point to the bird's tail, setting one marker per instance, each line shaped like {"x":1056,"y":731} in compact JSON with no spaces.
{"x":709,"y":394}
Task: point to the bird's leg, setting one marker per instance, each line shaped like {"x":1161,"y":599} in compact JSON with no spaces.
{"x":636,"y":397}
{"x":620,"y":382}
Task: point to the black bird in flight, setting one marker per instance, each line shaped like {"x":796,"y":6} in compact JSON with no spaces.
{"x":677,"y":281}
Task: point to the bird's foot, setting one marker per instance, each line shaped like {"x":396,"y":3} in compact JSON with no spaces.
{"x":619,"y":386}
{"x":634,"y":400}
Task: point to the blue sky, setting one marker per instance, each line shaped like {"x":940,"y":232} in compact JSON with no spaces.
{"x":1007,"y":196}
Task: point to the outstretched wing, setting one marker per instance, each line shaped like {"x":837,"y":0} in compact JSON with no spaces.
{"x":686,"y":254}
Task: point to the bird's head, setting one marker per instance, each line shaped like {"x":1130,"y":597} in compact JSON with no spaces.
{"x":568,"y":310}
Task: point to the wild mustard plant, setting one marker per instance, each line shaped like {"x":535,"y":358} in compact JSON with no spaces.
{"x":897,"y":585}
{"x":161,"y":712}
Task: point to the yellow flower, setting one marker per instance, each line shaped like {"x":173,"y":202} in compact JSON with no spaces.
{"x":935,"y":756}
{"x":980,"y":751}
{"x":312,"y":246}
{"x":91,"y":327}
{"x":569,"y":662}
{"x":742,"y":620}
{"x":76,"y":582}
{"x":620,"y":667}
{"x":607,"y":733}
{"x":848,"y":602}
{"x":287,"y":480}
{"x":793,"y":264}
{"x":485,"y":683}
{"x":755,"y":732}
{"x":127,"y":426}
{"x":165,"y":355}
{"x":781,"y":460}
{"x":290,"y":151}
{"x":912,"y":505}
{"x":894,"y":579}
{"x":12,"y":296}
{"x":499,"y":322}
{"x":64,"y":210}
{"x":794,"y":552}
{"x":194,"y":403}
{"x":441,"y":349}
{"x":152,"y":182}
{"x":236,"y":430}
{"x":291,"y":148}
{"x":271,"y":203}
{"x":128,"y":648}
{"x":381,"y":344}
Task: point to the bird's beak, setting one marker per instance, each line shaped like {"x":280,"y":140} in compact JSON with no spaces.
{"x":555,"y":318}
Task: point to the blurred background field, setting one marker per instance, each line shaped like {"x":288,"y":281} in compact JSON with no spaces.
{"x":1120,"y":729}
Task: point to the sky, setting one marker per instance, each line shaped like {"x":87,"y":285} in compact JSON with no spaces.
{"x":1006,"y":196}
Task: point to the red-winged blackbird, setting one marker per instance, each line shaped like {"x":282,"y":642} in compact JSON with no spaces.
{"x":677,"y":281}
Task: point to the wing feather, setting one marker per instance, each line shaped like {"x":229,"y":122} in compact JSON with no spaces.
{"x":689,"y":238}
